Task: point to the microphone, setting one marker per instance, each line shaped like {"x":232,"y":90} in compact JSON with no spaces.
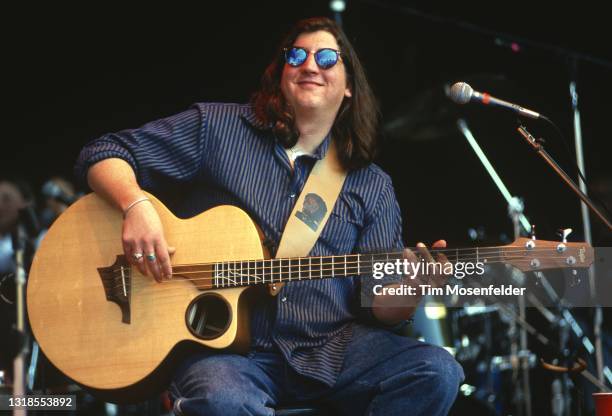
{"x":462,"y":93}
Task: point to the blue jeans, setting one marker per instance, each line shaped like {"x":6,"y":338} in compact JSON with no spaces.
{"x":382,"y":374}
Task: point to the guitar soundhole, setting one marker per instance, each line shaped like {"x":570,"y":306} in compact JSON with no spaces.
{"x":208,"y":316}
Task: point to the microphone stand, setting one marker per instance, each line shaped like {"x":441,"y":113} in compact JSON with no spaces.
{"x":515,"y":211}
{"x":537,"y":146}
{"x":586,"y":221}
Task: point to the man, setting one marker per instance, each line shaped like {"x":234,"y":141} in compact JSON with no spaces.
{"x":312,"y":341}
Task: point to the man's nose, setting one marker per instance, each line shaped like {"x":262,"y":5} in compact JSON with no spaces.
{"x":310,"y":65}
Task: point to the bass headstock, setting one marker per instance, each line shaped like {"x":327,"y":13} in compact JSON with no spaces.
{"x":527,"y":254}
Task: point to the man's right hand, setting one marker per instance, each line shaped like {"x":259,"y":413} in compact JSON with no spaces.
{"x":143,"y":234}
{"x":144,"y":243}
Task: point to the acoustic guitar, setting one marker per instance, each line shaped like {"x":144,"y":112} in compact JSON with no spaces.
{"x":119,"y":333}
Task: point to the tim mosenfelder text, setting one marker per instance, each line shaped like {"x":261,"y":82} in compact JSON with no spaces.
{"x":423,"y":268}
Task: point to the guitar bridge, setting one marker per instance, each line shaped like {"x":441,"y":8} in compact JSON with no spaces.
{"x":117,"y":282}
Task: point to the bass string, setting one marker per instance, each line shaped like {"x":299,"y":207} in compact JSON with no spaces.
{"x":275,"y":277}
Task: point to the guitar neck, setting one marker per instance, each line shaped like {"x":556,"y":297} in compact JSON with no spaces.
{"x":254,"y":272}
{"x":524,"y":254}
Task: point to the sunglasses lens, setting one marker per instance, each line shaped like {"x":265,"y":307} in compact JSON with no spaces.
{"x":326,"y":58}
{"x":296,"y":56}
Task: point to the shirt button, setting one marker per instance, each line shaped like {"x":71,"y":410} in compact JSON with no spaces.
{"x":291,"y":195}
{"x":284,"y":299}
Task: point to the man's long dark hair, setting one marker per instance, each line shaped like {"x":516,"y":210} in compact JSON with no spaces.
{"x":354,"y":129}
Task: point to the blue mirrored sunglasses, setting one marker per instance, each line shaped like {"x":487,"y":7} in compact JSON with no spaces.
{"x":325,"y":58}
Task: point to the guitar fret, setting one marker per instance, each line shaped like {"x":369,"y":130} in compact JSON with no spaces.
{"x":321,"y":267}
{"x":345,"y":273}
{"x":299,"y":268}
{"x":241,"y":274}
{"x":358,"y":261}
{"x":282,"y":274}
{"x":222,"y":274}
{"x":230,"y":274}
{"x":233,"y":274}
{"x":332,"y":264}
{"x":310,"y":268}
{"x":263,"y":271}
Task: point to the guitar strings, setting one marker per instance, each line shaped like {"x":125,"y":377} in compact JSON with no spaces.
{"x":246,"y":274}
{"x":303,"y":261}
{"x":369,"y":258}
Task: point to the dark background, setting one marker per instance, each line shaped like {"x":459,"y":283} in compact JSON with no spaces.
{"x":72,"y":75}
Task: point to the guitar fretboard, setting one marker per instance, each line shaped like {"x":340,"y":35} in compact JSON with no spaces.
{"x":253,"y":272}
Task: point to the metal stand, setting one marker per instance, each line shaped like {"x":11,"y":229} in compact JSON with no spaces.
{"x":337,"y":6}
{"x":586,"y":221}
{"x":19,"y":382}
{"x":519,"y":353}
{"x":23,"y":245}
{"x":537,"y":146}
{"x":523,"y":390}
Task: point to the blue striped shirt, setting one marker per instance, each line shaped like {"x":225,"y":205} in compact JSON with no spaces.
{"x":215,"y":154}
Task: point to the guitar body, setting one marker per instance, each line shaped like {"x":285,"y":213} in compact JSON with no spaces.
{"x":126,"y":352}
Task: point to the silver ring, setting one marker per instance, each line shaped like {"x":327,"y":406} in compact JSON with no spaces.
{"x":151,"y":257}
{"x":137,"y":256}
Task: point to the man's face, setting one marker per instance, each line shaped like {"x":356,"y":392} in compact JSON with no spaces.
{"x":11,"y":202}
{"x":310,"y":205}
{"x":308,"y":87}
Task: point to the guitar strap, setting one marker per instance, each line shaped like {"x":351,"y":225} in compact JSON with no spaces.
{"x":312,"y":209}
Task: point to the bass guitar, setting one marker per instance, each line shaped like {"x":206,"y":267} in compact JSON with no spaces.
{"x":119,"y":333}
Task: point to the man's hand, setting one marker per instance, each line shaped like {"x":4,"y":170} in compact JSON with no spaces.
{"x":144,"y":243}
{"x":385,"y":307}
{"x":143,"y":239}
{"x":435,"y":280}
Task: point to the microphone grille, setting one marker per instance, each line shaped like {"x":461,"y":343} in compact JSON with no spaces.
{"x":461,"y":93}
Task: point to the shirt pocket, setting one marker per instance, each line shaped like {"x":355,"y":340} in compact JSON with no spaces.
{"x":339,"y":236}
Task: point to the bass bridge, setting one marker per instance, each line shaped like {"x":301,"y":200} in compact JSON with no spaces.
{"x":117,"y":282}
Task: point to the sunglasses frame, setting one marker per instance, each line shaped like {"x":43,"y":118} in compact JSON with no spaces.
{"x":287,"y":49}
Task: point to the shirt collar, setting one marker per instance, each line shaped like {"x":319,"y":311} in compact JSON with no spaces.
{"x":321,"y":151}
{"x":250,"y":117}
